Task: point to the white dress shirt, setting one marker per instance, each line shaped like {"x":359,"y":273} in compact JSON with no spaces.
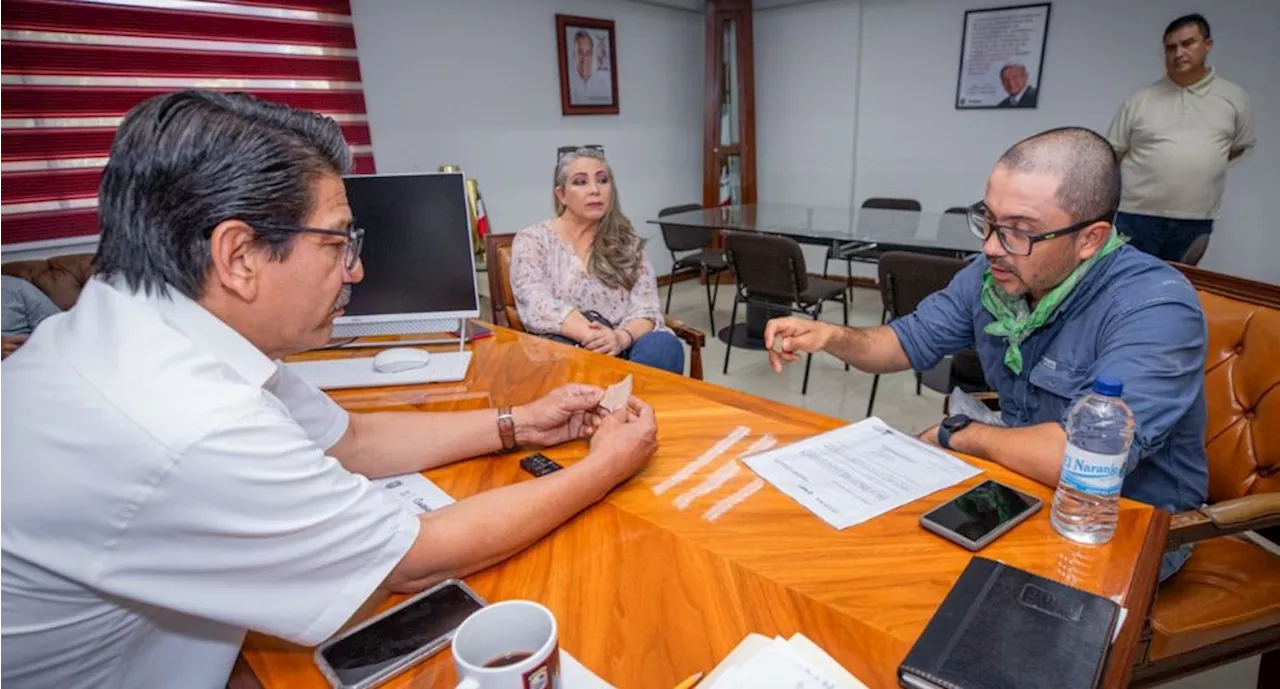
{"x":166,"y":488}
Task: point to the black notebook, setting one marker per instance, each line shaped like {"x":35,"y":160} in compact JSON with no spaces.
{"x":1004,"y":628}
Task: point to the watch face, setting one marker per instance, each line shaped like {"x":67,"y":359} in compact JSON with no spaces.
{"x":955,"y":422}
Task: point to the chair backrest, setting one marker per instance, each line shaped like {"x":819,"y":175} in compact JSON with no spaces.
{"x":891,"y":204}
{"x":60,"y":277}
{"x":498,"y":265}
{"x":766,"y":265}
{"x":1241,"y":383}
{"x":681,"y":237}
{"x":906,"y":278}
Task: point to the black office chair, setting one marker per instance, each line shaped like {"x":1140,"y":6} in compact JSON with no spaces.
{"x":865,"y":252}
{"x":770,"y":272}
{"x":707,"y":261}
{"x":906,"y":278}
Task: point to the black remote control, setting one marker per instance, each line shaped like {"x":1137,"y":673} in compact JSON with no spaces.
{"x":539,"y":465}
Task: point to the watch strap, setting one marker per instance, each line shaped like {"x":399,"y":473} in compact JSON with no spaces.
{"x":944,"y":436}
{"x":507,"y":429}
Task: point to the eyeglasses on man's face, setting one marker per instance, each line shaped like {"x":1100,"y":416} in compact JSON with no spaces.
{"x":1015,"y":241}
{"x":354,"y":236}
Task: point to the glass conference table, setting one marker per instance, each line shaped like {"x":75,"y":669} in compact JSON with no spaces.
{"x":859,"y":233}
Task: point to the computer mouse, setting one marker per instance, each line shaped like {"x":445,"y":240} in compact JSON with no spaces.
{"x":399,"y":359}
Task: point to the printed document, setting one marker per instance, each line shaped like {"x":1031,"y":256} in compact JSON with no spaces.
{"x":851,"y":474}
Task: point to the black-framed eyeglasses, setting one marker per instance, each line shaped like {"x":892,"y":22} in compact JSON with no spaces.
{"x":355,"y":239}
{"x":566,"y":150}
{"x":1015,"y":241}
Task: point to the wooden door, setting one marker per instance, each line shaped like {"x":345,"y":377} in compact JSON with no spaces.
{"x":729,"y":156}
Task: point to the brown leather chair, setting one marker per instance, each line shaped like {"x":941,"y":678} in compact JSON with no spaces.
{"x":1224,"y":604}
{"x":498,"y":265}
{"x":60,"y":277}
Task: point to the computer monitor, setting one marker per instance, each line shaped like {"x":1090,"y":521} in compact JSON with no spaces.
{"x":419,"y":263}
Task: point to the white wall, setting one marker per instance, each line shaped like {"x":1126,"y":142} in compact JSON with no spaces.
{"x":805,"y":122}
{"x":806,"y":70}
{"x":912,"y":142}
{"x":476,"y":83}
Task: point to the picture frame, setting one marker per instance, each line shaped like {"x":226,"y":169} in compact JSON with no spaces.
{"x":587,"y":51}
{"x":1002,"y":57}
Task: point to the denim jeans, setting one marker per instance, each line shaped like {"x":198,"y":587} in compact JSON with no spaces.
{"x":1165,"y":238}
{"x":659,"y":349}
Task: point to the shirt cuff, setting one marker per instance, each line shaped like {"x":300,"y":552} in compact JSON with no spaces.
{"x":359,"y":588}
{"x":910,"y":345}
{"x":337,"y":429}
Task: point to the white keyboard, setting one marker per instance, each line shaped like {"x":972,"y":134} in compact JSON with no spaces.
{"x":336,"y":374}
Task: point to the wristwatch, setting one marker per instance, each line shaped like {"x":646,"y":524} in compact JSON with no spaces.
{"x":952,"y":424}
{"x":507,"y":429}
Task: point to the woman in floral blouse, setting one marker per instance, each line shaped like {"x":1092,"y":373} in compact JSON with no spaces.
{"x":583,"y":275}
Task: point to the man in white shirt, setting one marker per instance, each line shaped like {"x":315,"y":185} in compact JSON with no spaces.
{"x":168,"y":485}
{"x":1176,"y":138}
{"x":587,"y":85}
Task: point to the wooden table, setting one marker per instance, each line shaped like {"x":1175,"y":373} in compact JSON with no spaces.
{"x":647,"y":594}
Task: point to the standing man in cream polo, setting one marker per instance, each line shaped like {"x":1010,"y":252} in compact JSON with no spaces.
{"x":1175,"y":139}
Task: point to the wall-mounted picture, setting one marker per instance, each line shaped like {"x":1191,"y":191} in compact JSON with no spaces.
{"x":588,"y":66}
{"x":1001,"y":57}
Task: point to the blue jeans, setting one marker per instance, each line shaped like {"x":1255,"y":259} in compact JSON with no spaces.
{"x":1165,"y":238}
{"x":659,"y":349}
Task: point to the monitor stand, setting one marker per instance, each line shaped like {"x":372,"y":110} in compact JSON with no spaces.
{"x":469,"y":331}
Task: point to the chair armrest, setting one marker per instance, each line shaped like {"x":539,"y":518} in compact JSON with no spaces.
{"x":694,"y":337}
{"x":1248,"y":513}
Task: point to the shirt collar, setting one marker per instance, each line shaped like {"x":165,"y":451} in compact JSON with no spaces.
{"x":197,"y":323}
{"x":1200,"y":88}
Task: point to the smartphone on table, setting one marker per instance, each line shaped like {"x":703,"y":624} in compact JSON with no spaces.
{"x":981,"y":514}
{"x":390,"y":643}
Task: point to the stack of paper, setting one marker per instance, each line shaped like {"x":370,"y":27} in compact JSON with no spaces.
{"x":796,"y":663}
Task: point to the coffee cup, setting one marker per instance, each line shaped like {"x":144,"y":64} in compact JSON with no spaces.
{"x":509,"y":645}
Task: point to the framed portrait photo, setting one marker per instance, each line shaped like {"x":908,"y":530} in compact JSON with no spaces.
{"x":1002,"y":57}
{"x":588,"y":66}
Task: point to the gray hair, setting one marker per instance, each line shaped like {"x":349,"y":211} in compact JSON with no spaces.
{"x":1013,"y":65}
{"x":617,"y":253}
{"x":181,"y":163}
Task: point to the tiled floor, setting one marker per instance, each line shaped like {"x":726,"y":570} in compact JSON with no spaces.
{"x":841,"y":394}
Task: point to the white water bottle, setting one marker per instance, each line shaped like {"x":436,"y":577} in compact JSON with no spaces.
{"x":1099,"y":431}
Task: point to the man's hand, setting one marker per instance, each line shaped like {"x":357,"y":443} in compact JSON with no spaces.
{"x":562,"y":415}
{"x":626,"y":439}
{"x":9,"y":345}
{"x":930,"y":436}
{"x":602,"y":340}
{"x":797,"y":335}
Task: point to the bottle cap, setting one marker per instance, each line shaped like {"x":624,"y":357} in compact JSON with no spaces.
{"x":1105,"y":385}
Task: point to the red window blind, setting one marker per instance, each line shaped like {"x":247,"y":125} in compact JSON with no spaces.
{"x":71,"y":69}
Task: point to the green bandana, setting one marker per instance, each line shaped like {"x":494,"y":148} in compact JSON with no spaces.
{"x":1015,"y":322}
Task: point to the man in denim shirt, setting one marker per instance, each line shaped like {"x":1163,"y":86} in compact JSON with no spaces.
{"x":1056,"y":301}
